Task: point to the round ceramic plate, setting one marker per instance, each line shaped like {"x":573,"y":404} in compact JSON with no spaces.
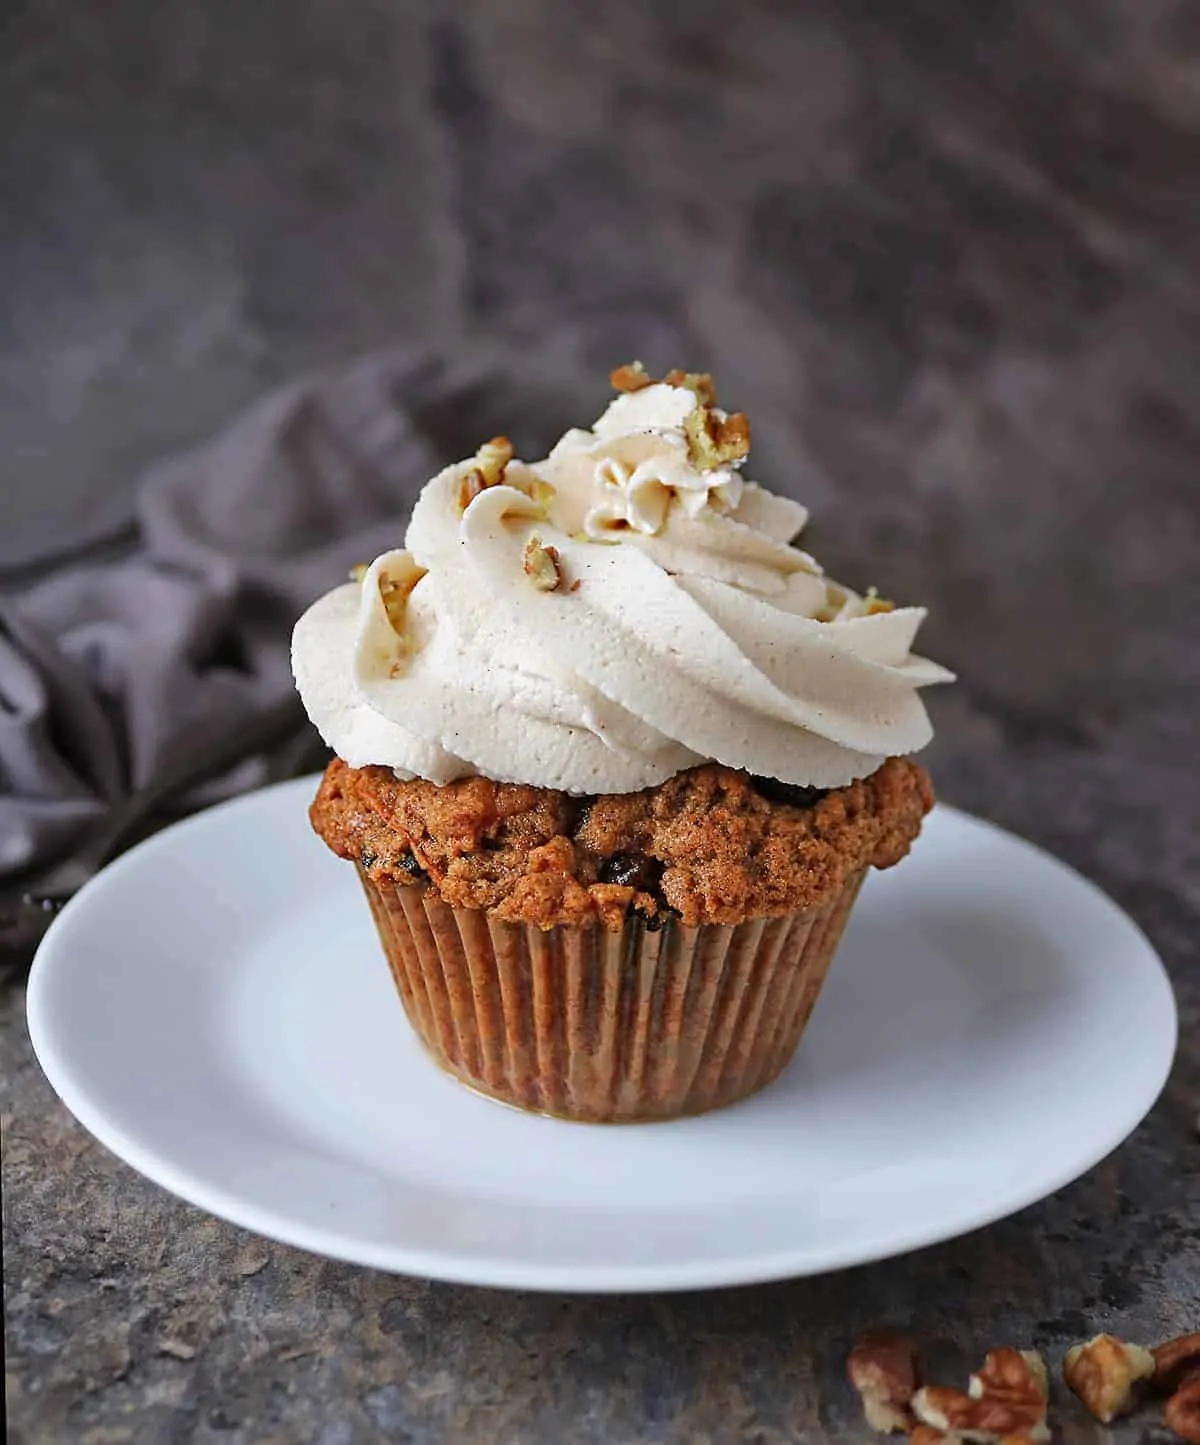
{"x":215,"y":1008}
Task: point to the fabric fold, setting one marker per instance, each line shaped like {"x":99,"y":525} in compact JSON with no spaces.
{"x":106,"y":666}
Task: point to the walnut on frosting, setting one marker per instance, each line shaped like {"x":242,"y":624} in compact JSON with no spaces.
{"x":715,"y":440}
{"x":633,"y":376}
{"x":542,"y":565}
{"x":698,"y":382}
{"x":841,"y":605}
{"x":491,"y":462}
{"x":395,"y":583}
{"x":394,"y":591}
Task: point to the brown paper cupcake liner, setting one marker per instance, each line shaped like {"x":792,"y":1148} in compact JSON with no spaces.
{"x":606,"y":1027}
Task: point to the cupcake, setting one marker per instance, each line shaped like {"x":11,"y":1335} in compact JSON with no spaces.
{"x":613,"y":756}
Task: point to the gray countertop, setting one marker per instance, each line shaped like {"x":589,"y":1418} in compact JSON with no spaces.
{"x":950,"y":268}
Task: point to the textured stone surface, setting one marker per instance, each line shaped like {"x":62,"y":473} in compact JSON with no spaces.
{"x":950,"y":265}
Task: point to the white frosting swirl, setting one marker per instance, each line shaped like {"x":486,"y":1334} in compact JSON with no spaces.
{"x":685,"y":628}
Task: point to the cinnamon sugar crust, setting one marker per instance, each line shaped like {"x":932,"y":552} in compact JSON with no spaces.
{"x":710,"y":845}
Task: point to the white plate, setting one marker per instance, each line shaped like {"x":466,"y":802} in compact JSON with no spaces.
{"x":215,"y":1009}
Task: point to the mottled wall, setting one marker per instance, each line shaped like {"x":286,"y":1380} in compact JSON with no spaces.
{"x":947,"y":254}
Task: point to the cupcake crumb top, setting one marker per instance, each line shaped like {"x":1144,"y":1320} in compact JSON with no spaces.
{"x":710,"y":845}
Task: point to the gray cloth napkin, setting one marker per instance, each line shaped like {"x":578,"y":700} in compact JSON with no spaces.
{"x":105,"y":666}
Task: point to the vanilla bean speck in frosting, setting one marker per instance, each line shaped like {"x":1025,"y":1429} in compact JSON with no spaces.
{"x":599,"y":620}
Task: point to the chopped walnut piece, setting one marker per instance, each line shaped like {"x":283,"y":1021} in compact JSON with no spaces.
{"x":715,"y":443}
{"x":1006,"y":1397}
{"x":702,"y":443}
{"x":1009,"y":1374}
{"x":882,"y":1367}
{"x":630,"y":377}
{"x":713,"y":440}
{"x":1104,"y":1373}
{"x":394,"y":592}
{"x":733,"y":437}
{"x":491,"y":460}
{"x":542,"y":565}
{"x":1182,"y":1411}
{"x":493,"y":456}
{"x":1173,"y":1359}
{"x":470,"y":487}
{"x":699,"y":382}
{"x":985,"y":1419}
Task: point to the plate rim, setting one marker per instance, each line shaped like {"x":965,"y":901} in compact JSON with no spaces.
{"x":505,"y":1272}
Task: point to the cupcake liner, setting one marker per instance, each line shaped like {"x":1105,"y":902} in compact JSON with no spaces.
{"x":606,"y":1027}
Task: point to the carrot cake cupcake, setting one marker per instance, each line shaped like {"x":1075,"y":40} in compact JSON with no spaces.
{"x":613,"y":758}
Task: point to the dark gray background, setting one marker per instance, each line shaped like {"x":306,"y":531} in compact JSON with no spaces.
{"x":947,"y":256}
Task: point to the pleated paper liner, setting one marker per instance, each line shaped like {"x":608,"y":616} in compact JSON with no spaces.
{"x":607,"y":1027}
